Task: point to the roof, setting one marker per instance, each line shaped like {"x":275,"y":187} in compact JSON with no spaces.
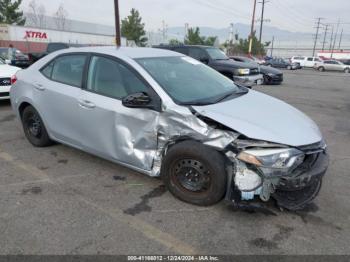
{"x":131,"y":52}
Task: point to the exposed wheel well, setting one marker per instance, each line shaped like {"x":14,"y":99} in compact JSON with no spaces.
{"x":22,"y":107}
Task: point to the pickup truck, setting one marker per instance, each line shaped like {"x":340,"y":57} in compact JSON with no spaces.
{"x":51,"y":47}
{"x":241,"y":73}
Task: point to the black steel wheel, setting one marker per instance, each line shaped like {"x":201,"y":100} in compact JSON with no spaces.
{"x":34,"y":128}
{"x":195,"y":173}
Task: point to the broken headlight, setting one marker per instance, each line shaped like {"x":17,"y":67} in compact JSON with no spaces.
{"x":284,"y":158}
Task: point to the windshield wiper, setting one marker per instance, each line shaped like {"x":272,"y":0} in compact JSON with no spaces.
{"x":235,"y":93}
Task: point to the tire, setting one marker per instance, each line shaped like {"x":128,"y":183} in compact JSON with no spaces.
{"x":188,"y":161}
{"x":34,"y":128}
{"x":298,"y":199}
{"x":347,"y":70}
{"x":321,"y":69}
{"x":266,"y":80}
{"x":289,"y":68}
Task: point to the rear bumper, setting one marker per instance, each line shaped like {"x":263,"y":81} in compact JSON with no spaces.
{"x":249,"y":80}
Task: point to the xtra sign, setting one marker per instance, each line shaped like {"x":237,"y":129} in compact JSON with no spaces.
{"x":35,"y":34}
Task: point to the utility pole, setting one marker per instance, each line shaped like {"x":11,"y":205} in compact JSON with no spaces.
{"x":335,"y":38}
{"x":273,"y":41}
{"x":325,"y":36}
{"x":331,"y":42}
{"x":262,"y":17}
{"x":318,"y":24}
{"x":232,"y":36}
{"x":252,"y":30}
{"x":341,"y":37}
{"x":117,"y":23}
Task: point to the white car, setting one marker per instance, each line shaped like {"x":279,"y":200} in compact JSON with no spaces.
{"x":6,"y":72}
{"x":305,"y":61}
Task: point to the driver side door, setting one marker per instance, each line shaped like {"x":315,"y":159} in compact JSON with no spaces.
{"x":110,"y":129}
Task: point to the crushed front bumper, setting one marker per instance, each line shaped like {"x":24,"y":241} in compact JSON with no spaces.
{"x":291,"y":191}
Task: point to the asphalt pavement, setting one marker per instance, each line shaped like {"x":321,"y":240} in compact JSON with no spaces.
{"x":59,"y":200}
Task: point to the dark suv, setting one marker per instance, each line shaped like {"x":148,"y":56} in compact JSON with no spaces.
{"x":242,"y":73}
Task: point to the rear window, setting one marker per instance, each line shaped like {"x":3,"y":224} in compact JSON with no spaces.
{"x":67,"y":69}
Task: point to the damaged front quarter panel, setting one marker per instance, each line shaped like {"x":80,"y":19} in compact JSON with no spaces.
{"x":180,"y":124}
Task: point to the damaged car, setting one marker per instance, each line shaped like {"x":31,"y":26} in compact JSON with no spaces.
{"x":165,"y":114}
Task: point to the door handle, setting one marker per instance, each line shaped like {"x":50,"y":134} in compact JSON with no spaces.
{"x":39,"y":87}
{"x":86,"y":104}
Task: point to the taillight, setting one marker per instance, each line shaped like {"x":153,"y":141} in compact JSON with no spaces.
{"x":13,"y":79}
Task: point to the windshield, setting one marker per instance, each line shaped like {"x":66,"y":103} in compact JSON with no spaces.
{"x":216,"y":54}
{"x":188,"y":81}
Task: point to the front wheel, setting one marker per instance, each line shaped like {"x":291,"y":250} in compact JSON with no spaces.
{"x":347,"y":70}
{"x":289,"y":68}
{"x":195,"y":173}
{"x":34,"y":128}
{"x":321,"y":69}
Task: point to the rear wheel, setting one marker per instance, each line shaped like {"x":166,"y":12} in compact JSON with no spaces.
{"x":195,"y":173}
{"x":34,"y":128}
{"x":347,"y":70}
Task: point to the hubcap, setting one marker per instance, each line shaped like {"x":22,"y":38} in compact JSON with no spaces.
{"x":192,"y":175}
{"x":34,"y":126}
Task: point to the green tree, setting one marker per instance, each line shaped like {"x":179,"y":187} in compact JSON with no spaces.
{"x":10,"y":13}
{"x":194,"y":38}
{"x":133,"y":29}
{"x":242,"y":47}
{"x":175,"y":42}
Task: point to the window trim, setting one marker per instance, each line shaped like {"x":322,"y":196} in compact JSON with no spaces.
{"x":63,"y":55}
{"x":152,"y":93}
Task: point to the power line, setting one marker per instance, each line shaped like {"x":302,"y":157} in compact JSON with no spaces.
{"x":325,"y":36}
{"x":341,"y":38}
{"x":335,"y":38}
{"x":318,"y":25}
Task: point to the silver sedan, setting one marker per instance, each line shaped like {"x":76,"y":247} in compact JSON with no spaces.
{"x":165,"y":114}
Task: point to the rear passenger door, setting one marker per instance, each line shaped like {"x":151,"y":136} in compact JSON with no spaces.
{"x":107,"y":127}
{"x":56,"y":89}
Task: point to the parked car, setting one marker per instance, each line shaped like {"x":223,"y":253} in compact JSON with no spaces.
{"x":305,"y":61}
{"x":6,"y":72}
{"x":165,"y":114}
{"x":21,"y":60}
{"x":271,"y":75}
{"x":345,"y":62}
{"x":51,"y":47}
{"x":242,"y":73}
{"x":332,"y":65}
{"x":281,"y":63}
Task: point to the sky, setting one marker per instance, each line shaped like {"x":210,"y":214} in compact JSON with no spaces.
{"x":292,"y":15}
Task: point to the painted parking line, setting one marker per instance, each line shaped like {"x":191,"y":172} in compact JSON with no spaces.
{"x":149,"y":231}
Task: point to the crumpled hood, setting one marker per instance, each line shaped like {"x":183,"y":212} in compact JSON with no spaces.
{"x":259,"y":116}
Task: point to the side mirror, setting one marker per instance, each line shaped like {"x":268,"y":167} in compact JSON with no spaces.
{"x":137,"y":100}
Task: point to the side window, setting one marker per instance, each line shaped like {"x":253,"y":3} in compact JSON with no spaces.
{"x":47,"y":70}
{"x":197,"y":53}
{"x":328,"y":62}
{"x":310,"y":59}
{"x":111,"y":78}
{"x":69,"y":69}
